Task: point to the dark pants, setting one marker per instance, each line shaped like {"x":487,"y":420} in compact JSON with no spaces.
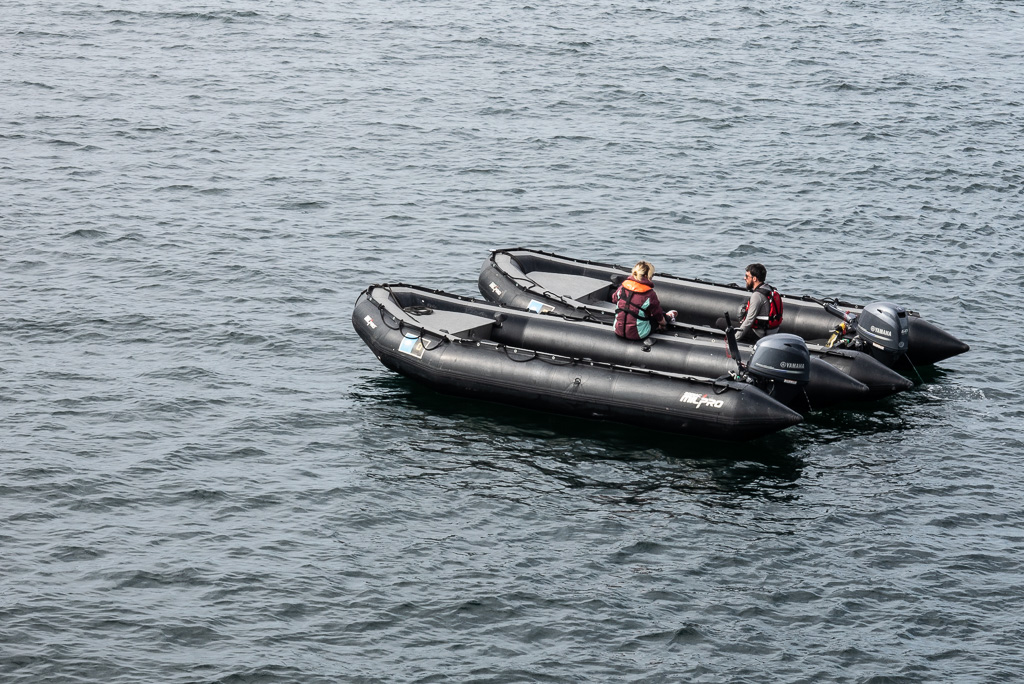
{"x":750,"y":337}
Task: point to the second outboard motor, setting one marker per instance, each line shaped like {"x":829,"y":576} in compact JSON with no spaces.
{"x":781,"y":357}
{"x":881,"y":329}
{"x":885,"y":326}
{"x":781,"y":366}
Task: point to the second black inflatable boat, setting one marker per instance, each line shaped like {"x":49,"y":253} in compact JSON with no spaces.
{"x":543,"y":282}
{"x":880,"y":380}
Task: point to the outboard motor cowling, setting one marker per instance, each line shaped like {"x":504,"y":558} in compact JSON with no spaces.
{"x":885,"y":330}
{"x":885,"y":325}
{"x":881,"y":329}
{"x":781,"y":357}
{"x":780,"y":366}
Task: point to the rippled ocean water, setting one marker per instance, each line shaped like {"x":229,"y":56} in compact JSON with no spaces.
{"x":206,"y":477}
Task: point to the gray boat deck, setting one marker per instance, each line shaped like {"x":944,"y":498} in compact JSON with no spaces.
{"x":569,"y":285}
{"x":454,"y":323}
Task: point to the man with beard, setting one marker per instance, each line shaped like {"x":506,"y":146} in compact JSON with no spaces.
{"x":761,"y":314}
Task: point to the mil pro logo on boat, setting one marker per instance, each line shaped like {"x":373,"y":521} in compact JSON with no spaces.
{"x":699,"y":400}
{"x":369,"y":322}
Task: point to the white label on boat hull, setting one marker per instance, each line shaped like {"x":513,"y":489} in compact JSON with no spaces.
{"x":369,"y":322}
{"x":699,"y":400}
{"x":412,"y":345}
{"x":539,"y":307}
{"x":495,"y":290}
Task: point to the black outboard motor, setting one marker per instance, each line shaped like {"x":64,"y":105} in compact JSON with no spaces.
{"x":780,"y":366}
{"x":881,"y":329}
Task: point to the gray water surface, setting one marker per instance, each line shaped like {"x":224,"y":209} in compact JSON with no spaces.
{"x":205,"y":476}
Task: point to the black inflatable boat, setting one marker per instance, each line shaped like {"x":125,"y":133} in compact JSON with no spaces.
{"x":880,"y":380}
{"x":542,"y":282}
{"x":471,"y":348}
{"x":780,"y":365}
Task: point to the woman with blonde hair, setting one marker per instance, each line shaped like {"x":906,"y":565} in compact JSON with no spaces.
{"x":637,"y":304}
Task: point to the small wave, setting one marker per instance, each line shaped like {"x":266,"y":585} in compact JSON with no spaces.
{"x":85,"y":234}
{"x":128,"y":237}
{"x":142,"y":579}
{"x":26,"y":265}
{"x":71,"y":554}
{"x":265,"y":673}
{"x":643,"y":548}
{"x":189,"y":373}
{"x":236,"y":337}
{"x":493,"y":111}
{"x":204,"y":495}
{"x":190,"y":635}
{"x":224,"y":16}
{"x":305,"y":205}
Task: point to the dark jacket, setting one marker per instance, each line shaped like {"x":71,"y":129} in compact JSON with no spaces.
{"x":638,"y":309}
